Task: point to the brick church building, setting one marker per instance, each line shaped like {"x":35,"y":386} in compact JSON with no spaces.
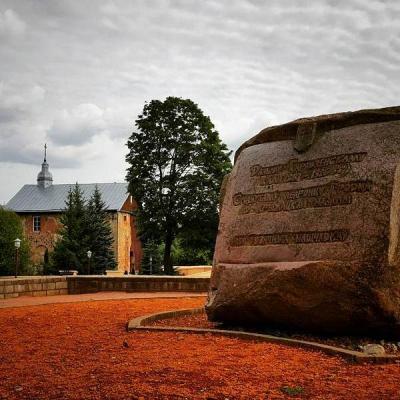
{"x":40,"y":207}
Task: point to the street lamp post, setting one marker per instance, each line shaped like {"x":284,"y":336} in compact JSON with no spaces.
{"x":151,"y":265}
{"x":17,"y":244}
{"x":89,"y":256}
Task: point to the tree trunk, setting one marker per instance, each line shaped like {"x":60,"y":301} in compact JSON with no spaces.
{"x":168,"y":270}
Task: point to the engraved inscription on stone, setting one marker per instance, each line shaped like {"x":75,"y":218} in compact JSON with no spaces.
{"x":295,"y":171}
{"x":328,"y":195}
{"x":337,"y":235}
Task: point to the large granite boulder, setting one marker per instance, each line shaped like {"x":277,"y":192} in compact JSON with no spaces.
{"x":309,"y":234}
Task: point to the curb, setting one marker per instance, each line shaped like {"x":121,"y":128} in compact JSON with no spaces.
{"x":140,"y":323}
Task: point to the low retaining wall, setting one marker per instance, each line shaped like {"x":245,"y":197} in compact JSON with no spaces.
{"x":54,"y":285}
{"x":33,"y":286}
{"x":136,"y":283}
{"x":192,"y":269}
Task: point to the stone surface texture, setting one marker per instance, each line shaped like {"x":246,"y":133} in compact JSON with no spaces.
{"x":374,"y":350}
{"x":309,"y":227}
{"x":136,"y":283}
{"x":61,"y":285}
{"x":11,"y":287}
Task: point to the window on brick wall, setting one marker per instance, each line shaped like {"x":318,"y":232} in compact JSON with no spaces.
{"x":36,"y":223}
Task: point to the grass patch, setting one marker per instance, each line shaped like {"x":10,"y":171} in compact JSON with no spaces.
{"x":292,"y":390}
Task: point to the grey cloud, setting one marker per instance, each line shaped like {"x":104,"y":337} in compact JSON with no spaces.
{"x":11,"y":24}
{"x":23,"y":144}
{"x":8,"y":115}
{"x":77,"y":126}
{"x":86,"y":121}
{"x":248,"y":64}
{"x":16,"y":103}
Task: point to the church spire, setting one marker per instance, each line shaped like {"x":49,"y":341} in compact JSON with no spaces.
{"x":45,"y":178}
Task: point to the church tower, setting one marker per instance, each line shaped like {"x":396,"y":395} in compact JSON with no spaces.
{"x":45,"y":178}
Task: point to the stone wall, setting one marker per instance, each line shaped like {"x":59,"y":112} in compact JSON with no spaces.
{"x":127,"y":246}
{"x":124,"y":242}
{"x":138,"y":283}
{"x":45,"y":238}
{"x":50,"y":286}
{"x":33,"y":286}
{"x":186,"y":270}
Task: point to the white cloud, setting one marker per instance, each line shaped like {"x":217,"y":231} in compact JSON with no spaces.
{"x":18,"y":105}
{"x":77,"y":126}
{"x":247,"y":64}
{"x":110,"y":8}
{"x":18,"y":99}
{"x":11,"y":24}
{"x":87,"y":121}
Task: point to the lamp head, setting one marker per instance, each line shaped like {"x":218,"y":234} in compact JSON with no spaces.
{"x":17,"y":243}
{"x":89,"y":254}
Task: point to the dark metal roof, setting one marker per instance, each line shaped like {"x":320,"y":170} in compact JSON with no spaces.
{"x":32,"y":198}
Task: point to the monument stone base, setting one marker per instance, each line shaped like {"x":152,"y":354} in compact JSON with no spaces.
{"x":325,"y":297}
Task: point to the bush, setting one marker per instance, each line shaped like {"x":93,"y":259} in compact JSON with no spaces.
{"x":10,"y":229}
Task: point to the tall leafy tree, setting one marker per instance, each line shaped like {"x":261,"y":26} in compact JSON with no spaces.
{"x":70,"y":249}
{"x":99,"y":236}
{"x":11,"y":229}
{"x":176,"y":165}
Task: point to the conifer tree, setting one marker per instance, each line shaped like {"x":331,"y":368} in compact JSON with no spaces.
{"x":70,"y":249}
{"x":99,"y":235}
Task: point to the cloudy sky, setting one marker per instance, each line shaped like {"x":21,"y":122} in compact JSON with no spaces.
{"x":76,"y":73}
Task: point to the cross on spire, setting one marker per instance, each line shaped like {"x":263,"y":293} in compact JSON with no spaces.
{"x":45,"y":178}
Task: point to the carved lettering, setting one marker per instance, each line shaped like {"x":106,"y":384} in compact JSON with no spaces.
{"x":337,"y":235}
{"x":295,"y":166}
{"x":295,"y":171}
{"x":328,"y":195}
{"x":291,"y":205}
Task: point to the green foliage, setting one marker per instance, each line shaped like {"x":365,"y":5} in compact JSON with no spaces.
{"x":84,"y":227}
{"x":292,"y":390}
{"x":177,"y":163}
{"x":153,"y":251}
{"x":11,"y":229}
{"x":46,"y":266}
{"x":187,"y":252}
{"x":197,"y":239}
{"x":99,"y":235}
{"x":70,"y":249}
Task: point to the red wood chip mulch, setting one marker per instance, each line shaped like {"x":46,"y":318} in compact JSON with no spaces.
{"x":201,"y":321}
{"x":82,"y":351}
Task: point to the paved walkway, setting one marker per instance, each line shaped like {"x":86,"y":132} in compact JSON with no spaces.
{"x":74,"y":298}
